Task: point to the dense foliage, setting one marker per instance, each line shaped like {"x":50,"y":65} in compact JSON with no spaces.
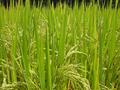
{"x":60,"y":48}
{"x":71,"y":3}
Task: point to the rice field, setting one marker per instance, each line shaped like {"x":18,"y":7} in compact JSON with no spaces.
{"x":60,"y":48}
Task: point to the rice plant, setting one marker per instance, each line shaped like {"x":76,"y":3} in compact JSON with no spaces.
{"x":62,"y":48}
